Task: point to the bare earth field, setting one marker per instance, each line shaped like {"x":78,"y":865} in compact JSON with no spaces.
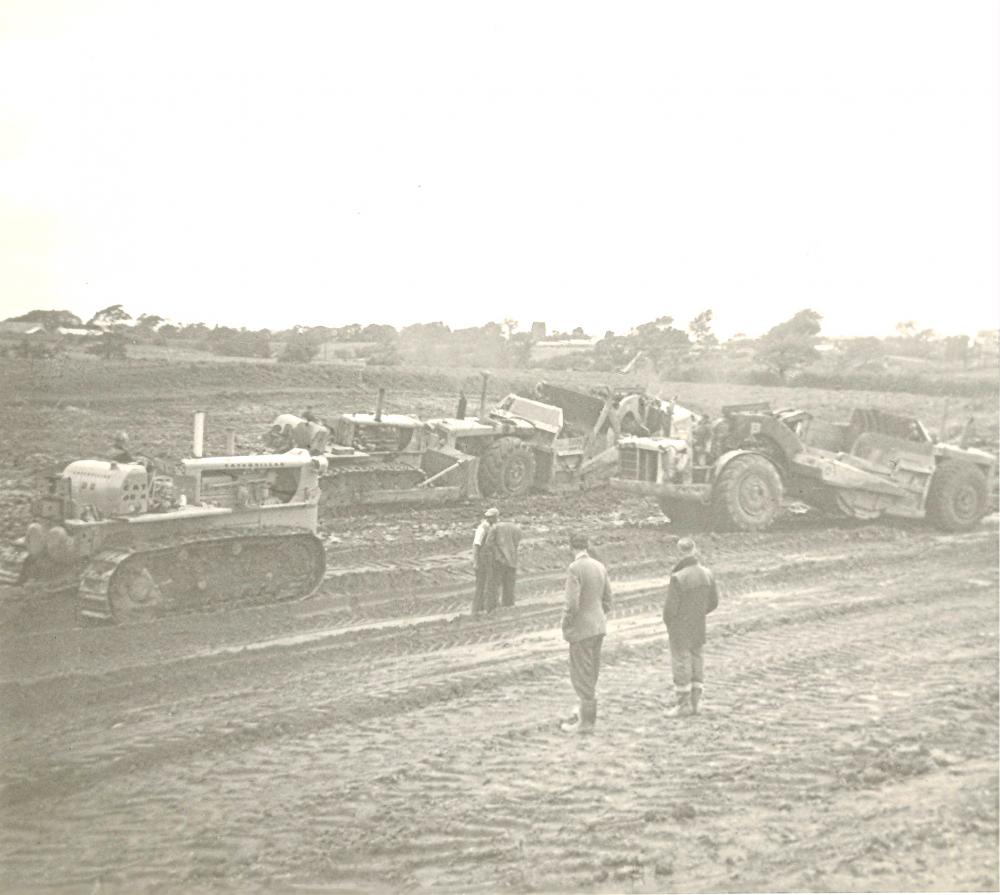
{"x":376,"y":738}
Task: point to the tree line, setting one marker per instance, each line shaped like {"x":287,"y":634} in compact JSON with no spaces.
{"x":674,"y":351}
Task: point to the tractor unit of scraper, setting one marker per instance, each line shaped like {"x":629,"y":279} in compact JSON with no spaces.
{"x":735,"y":472}
{"x":558,"y":438}
{"x":225,"y":531}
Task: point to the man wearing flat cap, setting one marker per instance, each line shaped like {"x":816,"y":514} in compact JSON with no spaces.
{"x":691,"y":595}
{"x":482,"y":559}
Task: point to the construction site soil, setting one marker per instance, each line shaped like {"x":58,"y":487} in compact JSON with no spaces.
{"x":376,"y":737}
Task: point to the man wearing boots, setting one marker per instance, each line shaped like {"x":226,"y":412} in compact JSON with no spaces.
{"x":584,"y":623}
{"x":691,"y":595}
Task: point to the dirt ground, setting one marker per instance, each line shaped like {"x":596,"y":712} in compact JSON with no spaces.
{"x":375,"y":737}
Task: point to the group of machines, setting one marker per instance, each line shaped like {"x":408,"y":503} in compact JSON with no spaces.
{"x":552,"y":439}
{"x":242,"y":529}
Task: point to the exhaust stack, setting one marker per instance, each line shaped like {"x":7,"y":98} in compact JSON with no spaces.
{"x":378,"y":405}
{"x":482,"y":396}
{"x":198,"y":445}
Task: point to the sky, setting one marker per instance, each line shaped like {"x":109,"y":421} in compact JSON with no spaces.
{"x":594,"y":164}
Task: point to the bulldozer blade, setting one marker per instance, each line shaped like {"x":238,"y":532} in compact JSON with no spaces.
{"x":452,"y":468}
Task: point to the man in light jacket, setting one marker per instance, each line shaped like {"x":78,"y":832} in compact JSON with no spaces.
{"x":691,"y":595}
{"x":584,"y":623}
{"x":482,"y":559}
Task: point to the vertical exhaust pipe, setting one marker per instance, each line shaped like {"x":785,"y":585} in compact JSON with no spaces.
{"x":230,"y":442}
{"x":198,"y":442}
{"x":378,"y":405}
{"x":482,"y":396}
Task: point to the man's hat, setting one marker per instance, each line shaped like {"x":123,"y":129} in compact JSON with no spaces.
{"x":686,"y":546}
{"x":492,"y":513}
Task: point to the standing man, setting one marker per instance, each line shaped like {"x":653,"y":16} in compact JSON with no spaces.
{"x":121,"y":452}
{"x":691,"y":595}
{"x":584,"y":623}
{"x":502,"y":540}
{"x":482,"y":559}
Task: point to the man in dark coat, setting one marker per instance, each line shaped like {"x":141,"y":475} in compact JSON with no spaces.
{"x":584,"y":624}
{"x":691,"y":595}
{"x":501,"y":543}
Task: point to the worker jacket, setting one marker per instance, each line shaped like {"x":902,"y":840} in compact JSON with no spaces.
{"x":502,"y":540}
{"x":588,"y":599}
{"x":691,"y":595}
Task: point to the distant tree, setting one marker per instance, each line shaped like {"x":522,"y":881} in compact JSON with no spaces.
{"x":149,"y":321}
{"x":701,"y":330}
{"x":519,"y":349}
{"x":110,"y":347}
{"x":50,"y":320}
{"x":425,"y":332}
{"x":791,"y":344}
{"x":859,"y":352}
{"x":913,"y":342}
{"x":300,"y":348}
{"x":379,"y":332}
{"x":509,"y":325}
{"x":231,"y":342}
{"x":194,"y":331}
{"x":957,"y":350}
{"x":664,"y":344}
{"x":112,"y":315}
{"x":169,"y":331}
{"x":349,"y":333}
{"x":578,"y":333}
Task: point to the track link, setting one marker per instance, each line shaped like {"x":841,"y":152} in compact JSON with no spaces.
{"x":222,"y":569}
{"x":13,"y":564}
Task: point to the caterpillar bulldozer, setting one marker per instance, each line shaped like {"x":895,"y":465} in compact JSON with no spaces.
{"x":735,"y":472}
{"x":133,"y":544}
{"x":378,"y":458}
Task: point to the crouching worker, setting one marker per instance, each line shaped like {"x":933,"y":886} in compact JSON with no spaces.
{"x":584,"y":623}
{"x":691,"y":595}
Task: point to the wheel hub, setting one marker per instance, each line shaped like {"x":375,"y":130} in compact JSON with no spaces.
{"x":753,"y":496}
{"x":965,"y":502}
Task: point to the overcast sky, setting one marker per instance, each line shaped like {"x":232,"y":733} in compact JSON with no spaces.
{"x":267,"y":164}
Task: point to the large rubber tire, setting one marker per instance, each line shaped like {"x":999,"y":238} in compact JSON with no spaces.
{"x":686,"y":514}
{"x":957,"y":497}
{"x":747,"y":495}
{"x":507,"y":469}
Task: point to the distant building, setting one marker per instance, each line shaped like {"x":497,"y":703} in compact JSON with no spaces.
{"x":538,"y":331}
{"x":988,"y":341}
{"x":80,"y":331}
{"x":561,"y":347}
{"x":32,"y":339}
{"x":20,"y":328}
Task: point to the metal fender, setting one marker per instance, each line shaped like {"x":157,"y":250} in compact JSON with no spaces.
{"x":729,"y":456}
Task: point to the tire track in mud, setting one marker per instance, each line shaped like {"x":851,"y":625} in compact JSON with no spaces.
{"x":476,"y":657}
{"x":491,"y":795}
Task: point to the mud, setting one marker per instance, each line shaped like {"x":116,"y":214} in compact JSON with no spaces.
{"x":377,"y":738}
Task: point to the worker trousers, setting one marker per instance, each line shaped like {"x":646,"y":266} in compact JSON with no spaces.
{"x":479,"y":601}
{"x":585,"y":666}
